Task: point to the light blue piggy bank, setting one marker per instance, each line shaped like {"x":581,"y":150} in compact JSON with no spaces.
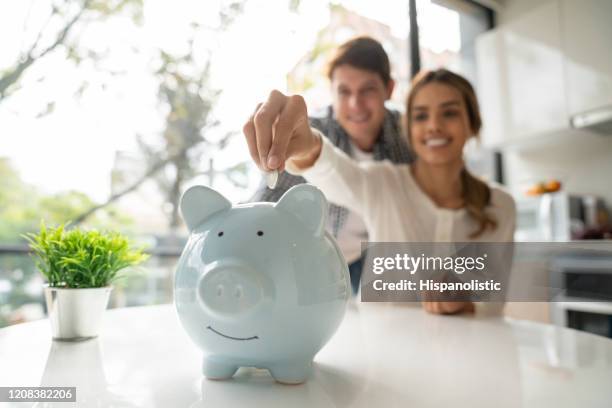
{"x":260,"y":285}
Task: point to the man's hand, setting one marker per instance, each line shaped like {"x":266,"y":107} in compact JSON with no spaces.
{"x":278,"y":132}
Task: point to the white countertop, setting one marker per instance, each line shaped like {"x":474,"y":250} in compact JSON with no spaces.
{"x":383,"y":355}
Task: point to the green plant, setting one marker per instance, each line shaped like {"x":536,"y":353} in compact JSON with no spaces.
{"x":81,"y":259}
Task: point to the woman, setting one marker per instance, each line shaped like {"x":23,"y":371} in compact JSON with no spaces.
{"x":434,"y":199}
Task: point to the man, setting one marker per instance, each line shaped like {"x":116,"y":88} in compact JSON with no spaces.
{"x":359,"y":124}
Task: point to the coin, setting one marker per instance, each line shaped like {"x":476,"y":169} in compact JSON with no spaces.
{"x":272,"y":178}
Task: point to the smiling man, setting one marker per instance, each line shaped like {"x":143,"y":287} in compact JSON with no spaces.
{"x":358,"y":123}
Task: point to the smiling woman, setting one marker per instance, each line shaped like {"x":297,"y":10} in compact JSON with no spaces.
{"x":443,"y":114}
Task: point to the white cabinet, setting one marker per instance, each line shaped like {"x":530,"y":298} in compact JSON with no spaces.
{"x":587,"y":44}
{"x":521,"y":77}
{"x":535,"y":72}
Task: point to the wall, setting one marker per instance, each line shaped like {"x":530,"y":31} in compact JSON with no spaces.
{"x":582,"y":161}
{"x":512,"y":9}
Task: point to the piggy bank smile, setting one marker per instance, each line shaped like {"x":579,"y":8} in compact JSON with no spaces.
{"x":230,"y":337}
{"x":259,"y":285}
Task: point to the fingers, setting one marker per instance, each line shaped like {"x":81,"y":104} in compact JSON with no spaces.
{"x":264,"y":120}
{"x":451,"y":307}
{"x":447,"y":307}
{"x":432,"y":307}
{"x":249,"y":133}
{"x":284,"y":129}
{"x":278,"y":127}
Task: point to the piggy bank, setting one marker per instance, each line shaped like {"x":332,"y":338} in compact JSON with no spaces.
{"x":260,"y":285}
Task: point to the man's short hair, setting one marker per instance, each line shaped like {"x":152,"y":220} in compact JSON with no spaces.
{"x":364,"y":53}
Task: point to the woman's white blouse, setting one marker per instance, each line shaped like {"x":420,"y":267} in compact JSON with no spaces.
{"x":393,"y":206}
{"x":395,"y":209}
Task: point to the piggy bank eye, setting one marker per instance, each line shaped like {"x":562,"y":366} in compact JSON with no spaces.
{"x":220,"y":234}
{"x":260,"y":233}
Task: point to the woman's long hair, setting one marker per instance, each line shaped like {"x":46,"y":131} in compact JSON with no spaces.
{"x":476,"y":193}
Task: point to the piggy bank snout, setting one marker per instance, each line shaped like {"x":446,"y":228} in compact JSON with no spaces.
{"x":230,"y":289}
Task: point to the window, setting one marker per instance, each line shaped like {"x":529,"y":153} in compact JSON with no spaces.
{"x":447,"y":31}
{"x":447,"y":34}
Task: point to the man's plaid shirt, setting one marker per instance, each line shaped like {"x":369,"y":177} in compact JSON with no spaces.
{"x":390,"y":145}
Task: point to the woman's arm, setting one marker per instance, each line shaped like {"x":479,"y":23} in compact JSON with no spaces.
{"x":343,"y":180}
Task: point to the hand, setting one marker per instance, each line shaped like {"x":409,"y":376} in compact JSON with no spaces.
{"x":452,"y":302}
{"x":278,"y":132}
{"x":448,"y":307}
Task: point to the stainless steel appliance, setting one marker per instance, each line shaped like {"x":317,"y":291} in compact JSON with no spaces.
{"x":557,"y":217}
{"x":585,"y":302}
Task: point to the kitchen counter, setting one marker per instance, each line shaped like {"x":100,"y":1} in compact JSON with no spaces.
{"x":383,"y":355}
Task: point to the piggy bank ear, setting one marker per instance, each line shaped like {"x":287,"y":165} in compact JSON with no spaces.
{"x":200,"y":202}
{"x":308,"y":204}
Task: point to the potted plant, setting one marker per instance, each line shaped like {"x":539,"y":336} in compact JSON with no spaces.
{"x":79,"y":266}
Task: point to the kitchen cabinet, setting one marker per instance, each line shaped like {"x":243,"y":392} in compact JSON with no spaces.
{"x":546,"y":72}
{"x":521,"y":77}
{"x":534,"y":66}
{"x":587,"y":44}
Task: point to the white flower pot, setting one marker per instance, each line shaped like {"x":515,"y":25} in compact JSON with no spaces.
{"x":76,"y":314}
